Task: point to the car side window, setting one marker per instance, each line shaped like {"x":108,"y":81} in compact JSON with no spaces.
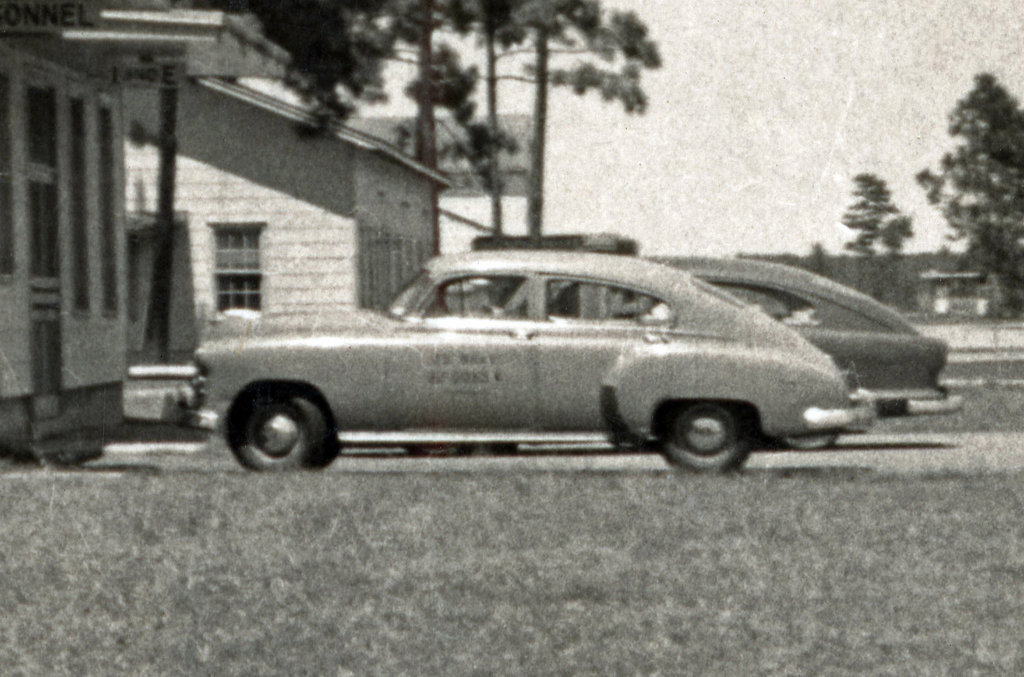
{"x":787,"y":308}
{"x":798,"y":311}
{"x":579,"y":300}
{"x":498,"y":296}
{"x":835,"y":316}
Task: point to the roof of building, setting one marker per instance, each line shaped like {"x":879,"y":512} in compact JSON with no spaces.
{"x":345,"y":133}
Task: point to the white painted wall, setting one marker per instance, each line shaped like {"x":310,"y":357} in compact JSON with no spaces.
{"x":307,"y":253}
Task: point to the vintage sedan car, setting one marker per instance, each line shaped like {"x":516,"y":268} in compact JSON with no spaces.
{"x":879,"y":351}
{"x":526,"y":347}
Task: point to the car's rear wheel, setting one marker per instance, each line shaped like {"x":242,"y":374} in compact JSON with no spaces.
{"x":706,"y":437}
{"x":282,"y":433}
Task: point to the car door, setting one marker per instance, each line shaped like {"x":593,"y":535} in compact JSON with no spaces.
{"x":468,"y":364}
{"x":586,"y":325}
{"x":875,"y":356}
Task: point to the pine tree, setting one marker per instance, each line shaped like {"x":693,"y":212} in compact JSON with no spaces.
{"x":871,"y":207}
{"x":979,"y":185}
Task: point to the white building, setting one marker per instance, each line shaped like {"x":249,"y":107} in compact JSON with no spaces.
{"x":62,"y":219}
{"x":272,"y":218}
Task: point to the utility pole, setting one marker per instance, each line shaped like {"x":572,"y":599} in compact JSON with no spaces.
{"x":493,"y":175}
{"x":158,"y":325}
{"x":426,"y":126}
{"x":535,"y":205}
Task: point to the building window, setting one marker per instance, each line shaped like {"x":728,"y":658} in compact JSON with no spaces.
{"x":79,"y":209}
{"x":108,"y":227}
{"x":6,"y":214}
{"x":42,"y":187}
{"x":237,"y":266}
{"x":134,"y":276}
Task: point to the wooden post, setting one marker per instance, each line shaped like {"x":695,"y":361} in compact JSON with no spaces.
{"x":493,"y":173}
{"x":158,"y":326}
{"x":426,"y":127}
{"x":535,"y":204}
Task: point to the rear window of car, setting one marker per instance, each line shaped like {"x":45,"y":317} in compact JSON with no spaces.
{"x":800,"y":310}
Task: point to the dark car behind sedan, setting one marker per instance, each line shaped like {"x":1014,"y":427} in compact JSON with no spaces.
{"x":875,"y":346}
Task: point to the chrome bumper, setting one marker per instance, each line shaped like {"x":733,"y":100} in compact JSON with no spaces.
{"x":946,"y":405}
{"x":858,"y":416}
{"x":183,"y":407}
{"x":894,"y":404}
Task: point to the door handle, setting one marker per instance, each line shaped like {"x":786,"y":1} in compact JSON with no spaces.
{"x":523,"y":334}
{"x":651,"y":337}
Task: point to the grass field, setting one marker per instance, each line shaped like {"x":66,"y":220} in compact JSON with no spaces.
{"x":479,"y":574}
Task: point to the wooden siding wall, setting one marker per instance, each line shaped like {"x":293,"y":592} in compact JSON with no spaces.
{"x":265,"y":149}
{"x":396,"y":232}
{"x":320,"y":199}
{"x":307,"y":254}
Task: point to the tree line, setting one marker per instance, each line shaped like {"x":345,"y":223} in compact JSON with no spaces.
{"x":978,"y":187}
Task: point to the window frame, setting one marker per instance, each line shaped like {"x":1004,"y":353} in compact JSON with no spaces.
{"x":244,"y":228}
{"x":8,"y":234}
{"x":81,"y":162}
{"x":429,"y":299}
{"x":43,"y":185}
{"x":828,"y":314}
{"x":106,"y":154}
{"x":548,"y":278}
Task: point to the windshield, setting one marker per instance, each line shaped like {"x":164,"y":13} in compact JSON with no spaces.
{"x":402,"y":304}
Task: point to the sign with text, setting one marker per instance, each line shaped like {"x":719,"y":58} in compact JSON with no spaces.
{"x":20,"y":18}
{"x":141,"y":72}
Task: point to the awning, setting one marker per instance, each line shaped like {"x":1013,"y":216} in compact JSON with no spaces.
{"x":211,"y":43}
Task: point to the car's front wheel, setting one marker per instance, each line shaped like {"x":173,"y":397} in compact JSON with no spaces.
{"x":282,"y":433}
{"x":706,"y":437}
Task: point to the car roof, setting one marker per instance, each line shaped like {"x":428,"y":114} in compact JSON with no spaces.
{"x":615,"y":267}
{"x":792,"y":278}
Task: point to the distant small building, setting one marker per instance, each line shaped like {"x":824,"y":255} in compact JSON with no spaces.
{"x":62,"y":210}
{"x":956,"y":293}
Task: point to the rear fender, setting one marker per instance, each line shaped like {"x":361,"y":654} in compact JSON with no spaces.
{"x":777,"y":385}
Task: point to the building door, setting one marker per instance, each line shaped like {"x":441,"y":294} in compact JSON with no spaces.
{"x":44,"y":252}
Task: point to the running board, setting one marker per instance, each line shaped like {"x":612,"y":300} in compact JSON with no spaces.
{"x":409,"y":437}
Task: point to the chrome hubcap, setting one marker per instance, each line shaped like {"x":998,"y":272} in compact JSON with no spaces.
{"x":278,"y":435}
{"x":706,"y":435}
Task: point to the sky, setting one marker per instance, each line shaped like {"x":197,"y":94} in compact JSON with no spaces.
{"x":761,"y":115}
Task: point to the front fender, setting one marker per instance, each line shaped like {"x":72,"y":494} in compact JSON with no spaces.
{"x":779,"y":385}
